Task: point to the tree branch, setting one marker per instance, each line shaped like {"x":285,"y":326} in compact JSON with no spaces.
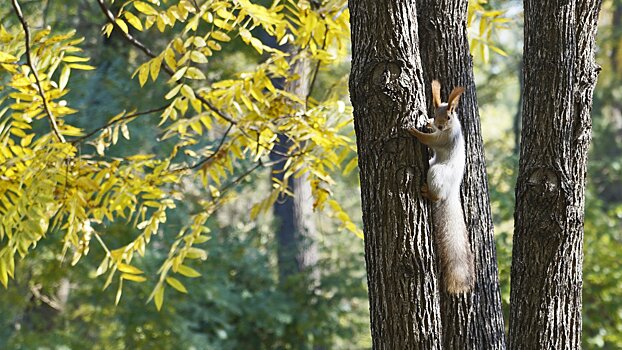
{"x":211,"y":156}
{"x":315,"y":71}
{"x":46,"y":107}
{"x":128,"y":36}
{"x":112,"y":122}
{"x":148,"y":52}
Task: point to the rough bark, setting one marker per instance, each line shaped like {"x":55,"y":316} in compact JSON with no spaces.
{"x":518,"y":117}
{"x":560,"y":75}
{"x":473,"y":320}
{"x":387,"y":92}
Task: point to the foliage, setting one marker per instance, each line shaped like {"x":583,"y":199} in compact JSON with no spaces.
{"x":221,"y":131}
{"x":236,"y":303}
{"x":484,"y":21}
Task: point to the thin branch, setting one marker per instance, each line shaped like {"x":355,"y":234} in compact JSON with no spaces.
{"x":112,"y":20}
{"x":112,"y":122}
{"x":241,"y":177}
{"x":46,"y":107}
{"x":315,"y":71}
{"x":148,"y":52}
{"x":211,"y":156}
{"x":260,"y":164}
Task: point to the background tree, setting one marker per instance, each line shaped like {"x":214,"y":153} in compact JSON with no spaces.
{"x":559,"y":76}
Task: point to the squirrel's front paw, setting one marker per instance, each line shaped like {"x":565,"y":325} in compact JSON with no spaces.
{"x":426,"y":193}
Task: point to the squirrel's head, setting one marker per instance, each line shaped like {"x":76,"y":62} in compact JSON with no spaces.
{"x":445,"y":112}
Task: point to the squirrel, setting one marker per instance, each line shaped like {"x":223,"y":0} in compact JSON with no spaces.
{"x":443,"y":189}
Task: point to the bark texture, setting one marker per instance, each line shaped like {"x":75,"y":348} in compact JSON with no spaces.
{"x":387,"y":92}
{"x":559,"y":75}
{"x":473,"y":320}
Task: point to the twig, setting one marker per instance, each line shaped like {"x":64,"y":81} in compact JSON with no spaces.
{"x":112,"y":20}
{"x":211,"y":156}
{"x":46,"y":107}
{"x":260,"y":164}
{"x":110,"y":123}
{"x":241,"y":177}
{"x":316,"y":70}
{"x":148,"y":52}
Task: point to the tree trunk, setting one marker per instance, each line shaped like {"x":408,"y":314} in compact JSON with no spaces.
{"x":560,"y":75}
{"x":518,"y":117}
{"x":473,"y":320}
{"x":295,"y":229}
{"x":387,"y":92}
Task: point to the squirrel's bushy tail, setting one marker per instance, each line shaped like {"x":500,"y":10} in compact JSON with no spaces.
{"x":457,"y":271}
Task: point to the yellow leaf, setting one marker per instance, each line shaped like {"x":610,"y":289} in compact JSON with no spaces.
{"x":133,"y":20}
{"x":135,"y":278}
{"x":125,"y":132}
{"x":143,"y":74}
{"x":175,"y":283}
{"x":119,"y":291}
{"x":81,"y":66}
{"x":121,"y":25}
{"x":257,"y":44}
{"x":18,"y":132}
{"x":145,"y":8}
{"x":196,"y":253}
{"x":351,"y":165}
{"x":173,"y":92}
{"x":128,"y":268}
{"x":198,"y":57}
{"x":195,"y":73}
{"x":158,"y":298}
{"x":73,"y":59}
{"x":188,"y":271}
{"x":154,"y":67}
{"x":218,"y":35}
{"x":198,"y":41}
{"x":245,"y":34}
{"x":187,"y":92}
{"x":25,"y":141}
{"x":180,"y":73}
{"x":64,"y":78}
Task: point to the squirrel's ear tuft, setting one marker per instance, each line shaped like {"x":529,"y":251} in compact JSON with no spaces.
{"x":436,"y":93}
{"x":454,"y":97}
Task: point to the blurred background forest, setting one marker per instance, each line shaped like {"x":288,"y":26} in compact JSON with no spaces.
{"x":239,"y":302}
